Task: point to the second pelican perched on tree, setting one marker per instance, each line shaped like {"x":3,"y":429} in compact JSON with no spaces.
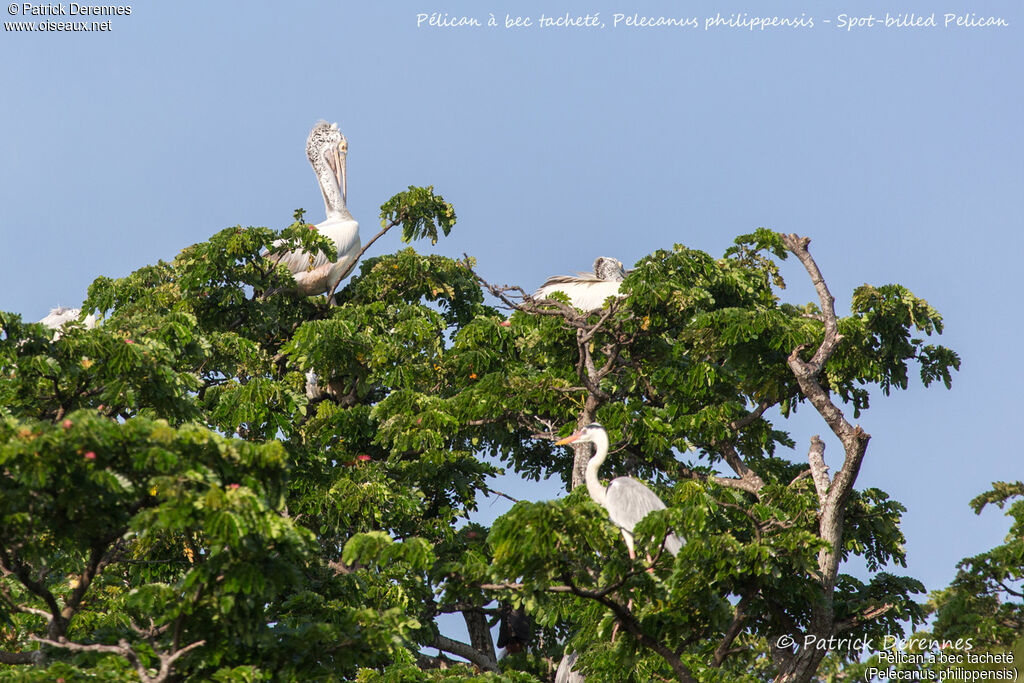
{"x":61,"y":315}
{"x":587,"y":291}
{"x":626,"y":499}
{"x":318,"y":273}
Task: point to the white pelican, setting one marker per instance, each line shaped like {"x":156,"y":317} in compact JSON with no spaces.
{"x":626,"y":499}
{"x":61,"y":315}
{"x":587,"y":291}
{"x":327,"y":150}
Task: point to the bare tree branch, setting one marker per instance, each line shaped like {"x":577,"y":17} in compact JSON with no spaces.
{"x":728,"y":482}
{"x":465,"y":651}
{"x":798,"y":246}
{"x":124,"y":649}
{"x":800,"y":668}
{"x":751,"y":481}
{"x":819,"y":470}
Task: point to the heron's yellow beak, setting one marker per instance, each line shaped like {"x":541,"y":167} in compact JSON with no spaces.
{"x":568,"y":439}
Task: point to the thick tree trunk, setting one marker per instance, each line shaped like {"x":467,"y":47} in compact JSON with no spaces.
{"x":582,"y":451}
{"x":479,"y":633}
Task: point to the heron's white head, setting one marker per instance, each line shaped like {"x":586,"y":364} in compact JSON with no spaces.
{"x":608,"y":268}
{"x":592,"y":433}
{"x":327,"y":150}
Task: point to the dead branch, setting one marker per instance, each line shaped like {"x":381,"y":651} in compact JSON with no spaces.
{"x":819,"y":470}
{"x":832,"y":495}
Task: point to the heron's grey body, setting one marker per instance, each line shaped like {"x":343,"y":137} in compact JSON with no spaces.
{"x":318,"y":273}
{"x":565,"y":674}
{"x":626,"y":499}
{"x":587,"y":291}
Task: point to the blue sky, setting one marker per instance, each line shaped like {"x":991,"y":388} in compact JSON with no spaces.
{"x":898,"y":151}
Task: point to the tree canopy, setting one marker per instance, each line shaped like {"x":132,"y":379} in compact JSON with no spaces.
{"x":174,"y":506}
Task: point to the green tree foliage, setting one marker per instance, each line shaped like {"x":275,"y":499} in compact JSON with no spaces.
{"x":986,"y":600}
{"x":978,"y":620}
{"x":173,"y":504}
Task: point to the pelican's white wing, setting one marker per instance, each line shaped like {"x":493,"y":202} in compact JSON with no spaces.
{"x":297,"y":261}
{"x":586,"y":294}
{"x":61,"y":315}
{"x":317,"y":274}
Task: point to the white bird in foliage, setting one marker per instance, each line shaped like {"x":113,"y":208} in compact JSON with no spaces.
{"x":587,"y":291}
{"x":313,"y":390}
{"x":61,"y":315}
{"x":626,"y":499}
{"x":565,"y":674}
{"x":318,"y":273}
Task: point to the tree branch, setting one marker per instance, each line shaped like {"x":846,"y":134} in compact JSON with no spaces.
{"x":802,"y":665}
{"x":735,"y":628}
{"x":798,"y":246}
{"x":819,"y":470}
{"x":13,"y":565}
{"x":728,"y":482}
{"x":351,"y":266}
{"x":465,"y":651}
{"x":124,"y":649}
{"x":751,"y":481}
{"x":632,"y":626}
{"x":865,"y":616}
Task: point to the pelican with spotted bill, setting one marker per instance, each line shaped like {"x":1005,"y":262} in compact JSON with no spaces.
{"x":319,"y":273}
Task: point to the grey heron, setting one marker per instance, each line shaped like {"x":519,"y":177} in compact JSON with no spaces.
{"x":565,"y":674}
{"x":587,"y":291}
{"x":626,"y":499}
{"x":327,"y":150}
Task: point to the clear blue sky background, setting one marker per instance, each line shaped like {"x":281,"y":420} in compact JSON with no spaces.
{"x":898,"y":151}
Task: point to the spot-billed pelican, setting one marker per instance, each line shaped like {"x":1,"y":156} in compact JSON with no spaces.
{"x":327,"y":150}
{"x":587,"y":291}
{"x":61,"y":315}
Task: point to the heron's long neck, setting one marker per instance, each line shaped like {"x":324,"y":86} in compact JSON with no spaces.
{"x":334,"y":202}
{"x":597,"y":492}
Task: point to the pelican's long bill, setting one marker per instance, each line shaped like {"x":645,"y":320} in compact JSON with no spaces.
{"x":568,"y":439}
{"x":343,"y":151}
{"x":337,"y":160}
